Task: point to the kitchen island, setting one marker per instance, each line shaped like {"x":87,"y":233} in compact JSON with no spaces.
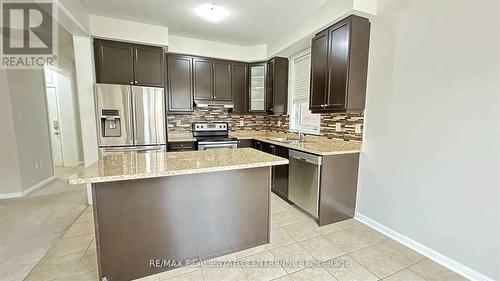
{"x":155,"y":211}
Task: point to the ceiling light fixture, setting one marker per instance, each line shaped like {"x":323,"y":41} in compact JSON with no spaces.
{"x":211,"y":12}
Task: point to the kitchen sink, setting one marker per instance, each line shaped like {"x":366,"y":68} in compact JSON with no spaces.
{"x":286,"y":140}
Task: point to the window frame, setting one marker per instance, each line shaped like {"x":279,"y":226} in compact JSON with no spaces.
{"x":291,"y":90}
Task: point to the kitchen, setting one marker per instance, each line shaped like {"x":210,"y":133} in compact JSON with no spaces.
{"x":137,"y":86}
{"x":258,"y":140}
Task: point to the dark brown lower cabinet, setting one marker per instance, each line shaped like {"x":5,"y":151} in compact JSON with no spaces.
{"x":245,"y":143}
{"x":181,"y":146}
{"x":279,"y":183}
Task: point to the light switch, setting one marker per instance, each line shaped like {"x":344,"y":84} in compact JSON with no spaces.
{"x":279,"y":123}
{"x":242,"y":123}
{"x":357,"y":129}
{"x":338,"y":127}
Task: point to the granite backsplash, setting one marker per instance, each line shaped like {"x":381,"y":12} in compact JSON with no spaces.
{"x":181,"y":123}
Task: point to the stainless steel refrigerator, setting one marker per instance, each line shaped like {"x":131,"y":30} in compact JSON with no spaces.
{"x":130,"y":118}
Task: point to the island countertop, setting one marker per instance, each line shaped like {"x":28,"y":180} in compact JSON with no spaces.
{"x":130,"y":166}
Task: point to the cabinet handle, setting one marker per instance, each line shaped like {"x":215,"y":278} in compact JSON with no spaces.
{"x":131,"y":82}
{"x":135,"y":82}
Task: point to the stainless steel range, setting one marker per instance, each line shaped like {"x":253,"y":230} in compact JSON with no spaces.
{"x":213,"y":136}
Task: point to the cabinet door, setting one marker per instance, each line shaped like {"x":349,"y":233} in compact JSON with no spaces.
{"x":114,"y":62}
{"x":148,"y":65}
{"x":281,"y":173}
{"x":269,"y":86}
{"x":257,"y":92}
{"x":203,"y":73}
{"x":280,"y":86}
{"x":319,"y":71}
{"x":222,"y":81}
{"x":338,"y":63}
{"x":245,"y":143}
{"x":179,"y":83}
{"x":240,"y":87}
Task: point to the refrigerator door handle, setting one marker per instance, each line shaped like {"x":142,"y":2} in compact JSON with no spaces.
{"x":130,"y":121}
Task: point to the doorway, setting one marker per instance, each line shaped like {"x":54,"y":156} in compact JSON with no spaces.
{"x":64,"y":127}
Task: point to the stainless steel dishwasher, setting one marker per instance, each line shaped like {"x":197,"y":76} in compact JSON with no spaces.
{"x":304,"y":180}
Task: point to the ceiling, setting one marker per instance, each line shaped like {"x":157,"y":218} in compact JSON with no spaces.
{"x":250,"y":22}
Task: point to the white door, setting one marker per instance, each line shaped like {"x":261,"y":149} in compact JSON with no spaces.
{"x":55,"y":129}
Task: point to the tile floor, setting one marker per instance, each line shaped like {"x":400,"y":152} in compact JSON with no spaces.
{"x":364,"y":253}
{"x":32,"y":225}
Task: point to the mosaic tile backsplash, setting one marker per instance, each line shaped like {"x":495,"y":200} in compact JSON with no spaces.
{"x":181,"y":123}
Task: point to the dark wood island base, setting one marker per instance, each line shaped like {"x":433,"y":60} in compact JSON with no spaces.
{"x":184,"y":217}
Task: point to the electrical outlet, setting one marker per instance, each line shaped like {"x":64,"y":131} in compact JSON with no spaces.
{"x":40,"y":163}
{"x":338,"y":127}
{"x":357,"y":129}
{"x":279,"y":123}
{"x":242,"y":123}
{"x":36,"y":165}
{"x":178,"y":123}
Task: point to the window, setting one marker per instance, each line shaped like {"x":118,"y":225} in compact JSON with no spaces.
{"x":301,"y":118}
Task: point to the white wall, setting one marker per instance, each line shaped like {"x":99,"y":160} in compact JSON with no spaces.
{"x":185,"y":45}
{"x":320,"y":18}
{"x":123,"y":30}
{"x":85,"y":84}
{"x":430,"y":163}
{"x":27,"y":93}
{"x":10,"y":177}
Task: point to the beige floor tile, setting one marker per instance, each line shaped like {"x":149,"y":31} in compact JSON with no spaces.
{"x":88,"y":262}
{"x":176,"y":272}
{"x":87,"y":276}
{"x":71,"y":245}
{"x":396,"y":251}
{"x":79,"y":229}
{"x":329,"y":228}
{"x":86,"y":216}
{"x":321,"y":249}
{"x":290,"y":216}
{"x":55,"y":267}
{"x":250,"y":252}
{"x":346,"y":268}
{"x":256,"y":270}
{"x":302,"y":230}
{"x":154,"y":277}
{"x":404,"y":275}
{"x":367,"y":234}
{"x":432,"y":271}
{"x":345,"y":241}
{"x":279,"y":205}
{"x":223,"y":274}
{"x":191,"y":276}
{"x":377,"y":262}
{"x":279,"y":238}
{"x":284,"y":278}
{"x":293,"y":257}
{"x":312,"y":274}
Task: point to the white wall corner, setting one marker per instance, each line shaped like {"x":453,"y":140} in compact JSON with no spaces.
{"x":365,"y":6}
{"x":443,"y":260}
{"x":129,"y":31}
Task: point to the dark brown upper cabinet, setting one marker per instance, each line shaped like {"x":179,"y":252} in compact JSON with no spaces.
{"x":277,"y":86}
{"x":114,"y":62}
{"x":179,"y":83}
{"x":126,"y":63}
{"x":203,"y":79}
{"x":339,"y":64}
{"x":240,"y":87}
{"x":148,"y":65}
{"x":319,"y":71}
{"x":222,"y":80}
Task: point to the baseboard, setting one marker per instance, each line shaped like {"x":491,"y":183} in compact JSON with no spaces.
{"x":443,"y":260}
{"x":27,"y":191}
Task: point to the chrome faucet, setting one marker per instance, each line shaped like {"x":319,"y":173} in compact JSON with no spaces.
{"x":301,"y":136}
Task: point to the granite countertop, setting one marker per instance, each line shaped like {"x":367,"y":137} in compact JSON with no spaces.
{"x":318,"y":145}
{"x":129,"y":166}
{"x":313,"y":144}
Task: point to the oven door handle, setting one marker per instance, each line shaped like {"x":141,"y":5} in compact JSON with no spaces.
{"x":218,"y":143}
{"x":227,"y":145}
